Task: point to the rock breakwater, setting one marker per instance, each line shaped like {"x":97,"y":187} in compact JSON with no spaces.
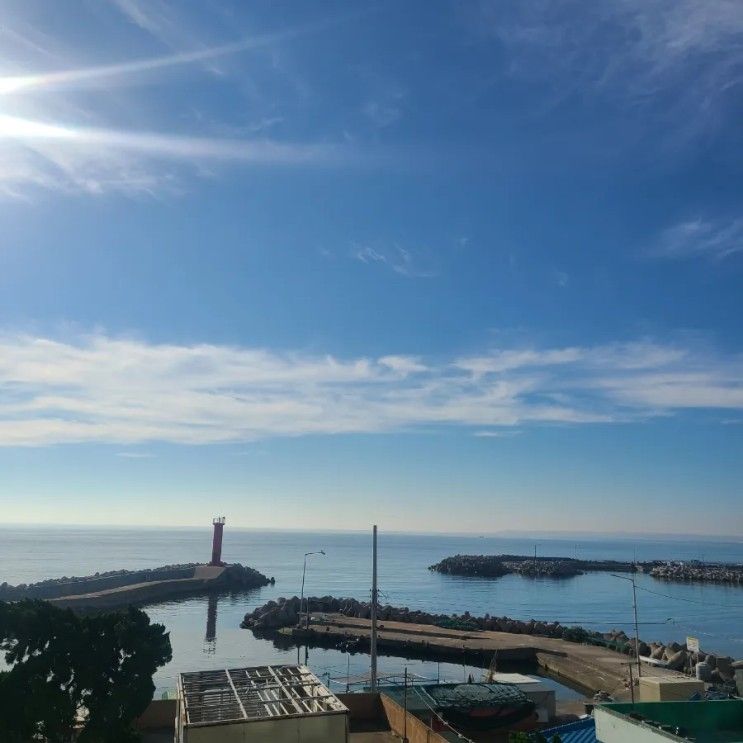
{"x":495,"y":566}
{"x":268,"y":619}
{"x":698,"y":572}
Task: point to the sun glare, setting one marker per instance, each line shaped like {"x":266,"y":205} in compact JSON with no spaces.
{"x":15,"y":127}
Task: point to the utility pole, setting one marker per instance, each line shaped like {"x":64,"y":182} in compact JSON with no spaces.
{"x":348,"y":670}
{"x":637,"y":630}
{"x":373,"y":642}
{"x":405,"y":702}
{"x":637,"y":626}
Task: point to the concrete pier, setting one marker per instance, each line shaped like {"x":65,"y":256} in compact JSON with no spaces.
{"x":585,"y":667}
{"x":125,"y":587}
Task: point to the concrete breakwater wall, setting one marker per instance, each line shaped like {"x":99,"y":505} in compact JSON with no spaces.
{"x":56,"y":587}
{"x":495,"y":566}
{"x":272,"y":617}
{"x":123,"y":588}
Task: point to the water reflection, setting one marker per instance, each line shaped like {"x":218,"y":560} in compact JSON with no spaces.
{"x":194,"y":624}
{"x":210,"y":638}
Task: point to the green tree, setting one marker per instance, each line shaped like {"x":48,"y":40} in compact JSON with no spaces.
{"x":66,"y":670}
{"x":522,"y":737}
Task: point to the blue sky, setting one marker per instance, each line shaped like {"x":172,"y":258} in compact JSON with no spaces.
{"x":464,"y":266}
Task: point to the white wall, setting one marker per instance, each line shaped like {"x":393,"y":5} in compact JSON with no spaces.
{"x":313,"y":729}
{"x":611,"y":728}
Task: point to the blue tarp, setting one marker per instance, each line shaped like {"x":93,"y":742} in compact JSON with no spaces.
{"x":581,"y":731}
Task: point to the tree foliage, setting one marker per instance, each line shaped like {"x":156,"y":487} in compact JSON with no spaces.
{"x":522,"y":737}
{"x":64,"y":669}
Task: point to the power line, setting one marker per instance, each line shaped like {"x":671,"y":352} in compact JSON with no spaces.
{"x":690,"y":601}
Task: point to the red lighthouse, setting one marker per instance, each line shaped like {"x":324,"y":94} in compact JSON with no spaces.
{"x":217,"y":540}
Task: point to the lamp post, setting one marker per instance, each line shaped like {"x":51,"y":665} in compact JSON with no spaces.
{"x":304,"y":573}
{"x":634,"y":609}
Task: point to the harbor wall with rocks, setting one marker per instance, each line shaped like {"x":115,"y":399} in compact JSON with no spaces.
{"x":57,"y":587}
{"x":270,"y":618}
{"x":694,"y":573}
{"x":124,"y":587}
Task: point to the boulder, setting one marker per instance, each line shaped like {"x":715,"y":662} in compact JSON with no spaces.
{"x":715,"y":677}
{"x":725,"y":667}
{"x":678,"y":660}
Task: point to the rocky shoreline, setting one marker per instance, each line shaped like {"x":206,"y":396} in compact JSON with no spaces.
{"x":269,"y":619}
{"x":496,"y":566}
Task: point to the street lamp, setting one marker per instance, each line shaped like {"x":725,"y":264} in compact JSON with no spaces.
{"x":304,"y":573}
{"x":634,"y":608}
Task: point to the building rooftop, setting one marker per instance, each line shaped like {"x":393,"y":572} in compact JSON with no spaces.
{"x":261,"y":692}
{"x":421,"y":698}
{"x":700,"y":721}
{"x":580,"y":731}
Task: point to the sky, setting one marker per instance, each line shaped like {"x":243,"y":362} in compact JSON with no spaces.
{"x":454,"y":266}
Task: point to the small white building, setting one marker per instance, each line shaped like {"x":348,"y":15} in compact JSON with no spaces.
{"x":258,"y":705}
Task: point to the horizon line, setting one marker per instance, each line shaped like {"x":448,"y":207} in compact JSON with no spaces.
{"x":507,"y":533}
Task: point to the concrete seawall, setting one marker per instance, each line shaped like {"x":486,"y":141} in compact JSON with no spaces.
{"x":97,"y":593}
{"x":57,"y":587}
{"x":204,"y":579}
{"x":586,"y":667}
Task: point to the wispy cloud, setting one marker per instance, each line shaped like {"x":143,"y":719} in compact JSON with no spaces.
{"x":400,"y":260}
{"x":107,"y":73}
{"x":96,"y":160}
{"x":675,"y":61}
{"x":381,"y":114}
{"x":167,"y":146}
{"x":126,"y":392}
{"x":715,"y":239}
{"x":58,"y":134}
{"x":562,"y":278}
{"x":132,"y":68}
{"x":403,"y":364}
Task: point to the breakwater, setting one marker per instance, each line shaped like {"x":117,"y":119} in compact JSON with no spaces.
{"x":56,"y":587}
{"x":276,"y":617}
{"x":698,"y":573}
{"x":495,"y":566}
{"x":124,"y":587}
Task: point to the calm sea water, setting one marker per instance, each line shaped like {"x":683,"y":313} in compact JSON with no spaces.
{"x":667,"y":611}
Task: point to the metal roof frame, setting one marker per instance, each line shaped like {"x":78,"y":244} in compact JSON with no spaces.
{"x":254,"y":693}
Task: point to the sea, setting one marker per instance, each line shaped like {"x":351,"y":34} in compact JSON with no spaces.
{"x":205,"y":631}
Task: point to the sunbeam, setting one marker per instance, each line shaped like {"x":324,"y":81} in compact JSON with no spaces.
{"x":170,"y":146}
{"x":65,"y":78}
